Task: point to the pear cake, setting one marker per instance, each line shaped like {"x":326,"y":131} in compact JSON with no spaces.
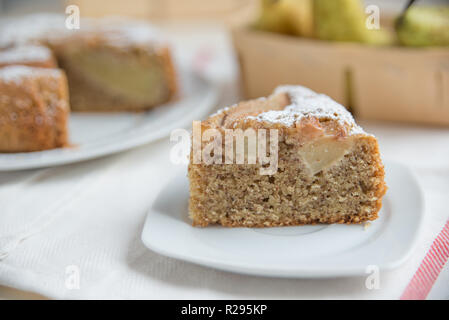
{"x":328,"y":169}
{"x":34,"y":109}
{"x":111,"y":64}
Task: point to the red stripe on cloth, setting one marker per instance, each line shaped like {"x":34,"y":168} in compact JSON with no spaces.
{"x":429,"y":269}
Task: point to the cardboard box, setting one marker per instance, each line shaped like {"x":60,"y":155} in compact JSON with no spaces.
{"x":382,"y":83}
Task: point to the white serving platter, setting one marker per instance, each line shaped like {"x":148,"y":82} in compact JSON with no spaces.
{"x":98,"y":134}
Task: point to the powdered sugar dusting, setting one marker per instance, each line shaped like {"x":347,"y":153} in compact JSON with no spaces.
{"x":299,"y":91}
{"x":28,"y":53}
{"x":306,"y":103}
{"x":17,"y":74}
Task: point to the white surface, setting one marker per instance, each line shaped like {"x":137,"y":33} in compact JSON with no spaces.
{"x":91,"y":215}
{"x":98,"y":134}
{"x":301,"y":251}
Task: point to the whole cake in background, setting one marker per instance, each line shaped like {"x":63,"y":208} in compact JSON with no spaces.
{"x":34,"y":109}
{"x":328,"y":169}
{"x":110,"y":65}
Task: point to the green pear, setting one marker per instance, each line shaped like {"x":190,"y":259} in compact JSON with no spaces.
{"x":345,"y":21}
{"x":274,"y":17}
{"x":424,"y":26}
{"x":286,"y":16}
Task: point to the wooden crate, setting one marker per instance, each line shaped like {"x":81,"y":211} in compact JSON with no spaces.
{"x":382,"y":83}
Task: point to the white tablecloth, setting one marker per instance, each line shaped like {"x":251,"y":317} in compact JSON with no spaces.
{"x":85,"y":220}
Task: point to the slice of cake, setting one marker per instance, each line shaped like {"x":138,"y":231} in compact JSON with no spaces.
{"x":318,"y":165}
{"x":111,"y":64}
{"x":28,"y":55}
{"x":34,"y":109}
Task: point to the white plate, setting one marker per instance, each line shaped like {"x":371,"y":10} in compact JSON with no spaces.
{"x":102,"y":134}
{"x":302,"y":251}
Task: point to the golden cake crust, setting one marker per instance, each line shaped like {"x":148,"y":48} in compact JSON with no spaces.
{"x":33,"y":109}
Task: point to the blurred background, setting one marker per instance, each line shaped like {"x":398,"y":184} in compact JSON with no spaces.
{"x":248,"y":47}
